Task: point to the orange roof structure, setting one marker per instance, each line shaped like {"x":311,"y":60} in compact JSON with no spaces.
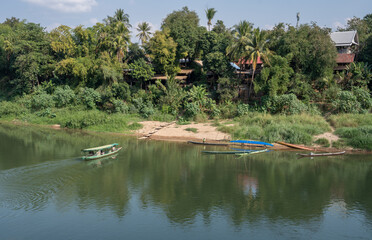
{"x":345,"y":58}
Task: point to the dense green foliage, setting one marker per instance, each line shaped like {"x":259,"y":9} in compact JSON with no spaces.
{"x":97,"y":69}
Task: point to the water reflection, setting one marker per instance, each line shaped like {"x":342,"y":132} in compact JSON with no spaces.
{"x":37,"y":170}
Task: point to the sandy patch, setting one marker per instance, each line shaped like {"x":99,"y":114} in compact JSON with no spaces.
{"x":162,"y":130}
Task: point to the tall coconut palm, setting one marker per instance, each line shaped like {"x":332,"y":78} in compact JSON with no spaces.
{"x":256,"y":49}
{"x":210,"y":12}
{"x":144,"y":32}
{"x":119,"y":17}
{"x":241,"y":37}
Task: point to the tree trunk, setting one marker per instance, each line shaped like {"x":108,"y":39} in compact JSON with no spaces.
{"x":250,"y":86}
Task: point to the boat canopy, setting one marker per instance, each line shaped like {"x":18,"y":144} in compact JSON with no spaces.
{"x":252,"y":142}
{"x":100,"y":148}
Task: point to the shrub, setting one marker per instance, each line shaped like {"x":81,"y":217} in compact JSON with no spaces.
{"x":11,"y":108}
{"x":143,"y":108}
{"x":242,"y":109}
{"x":363,"y":97}
{"x":89,"y":97}
{"x":323,"y":142}
{"x":42,"y":101}
{"x":346,"y":102}
{"x":191,"y":110}
{"x":63,"y":96}
{"x":120,"y":106}
{"x":285,"y":104}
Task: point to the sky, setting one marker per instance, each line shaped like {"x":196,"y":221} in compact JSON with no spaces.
{"x":262,"y":13}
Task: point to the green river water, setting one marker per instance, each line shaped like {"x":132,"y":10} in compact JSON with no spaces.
{"x":165,"y":190}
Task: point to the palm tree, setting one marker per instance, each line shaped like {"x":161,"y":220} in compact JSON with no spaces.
{"x":119,"y":17}
{"x":298,"y":19}
{"x":255,"y":49}
{"x":210,"y":12}
{"x":144,"y":32}
{"x":241,"y":37}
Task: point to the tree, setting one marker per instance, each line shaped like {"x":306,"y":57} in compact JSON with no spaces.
{"x":141,"y":71}
{"x":144,"y":32}
{"x":183,"y":26}
{"x":241,"y":37}
{"x":210,"y":12}
{"x":312,"y":50}
{"x":62,"y":42}
{"x":256,"y":49}
{"x":274,"y":79}
{"x":162,"y":51}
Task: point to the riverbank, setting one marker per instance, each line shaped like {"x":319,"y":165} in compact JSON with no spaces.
{"x":210,"y":131}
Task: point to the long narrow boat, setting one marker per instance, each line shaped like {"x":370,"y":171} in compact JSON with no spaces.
{"x":320,"y":154}
{"x":100,"y":152}
{"x":253,"y":152}
{"x":229,"y":152}
{"x":295,"y":146}
{"x":252,"y":142}
{"x":210,"y":144}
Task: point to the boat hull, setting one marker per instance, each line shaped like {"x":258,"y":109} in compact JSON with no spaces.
{"x":321,"y":154}
{"x":295,"y":146}
{"x":100,"y":156}
{"x":210,"y":144}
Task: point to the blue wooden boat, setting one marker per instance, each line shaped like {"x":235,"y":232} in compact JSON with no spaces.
{"x":252,"y":142}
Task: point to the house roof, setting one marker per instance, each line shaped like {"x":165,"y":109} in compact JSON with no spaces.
{"x":345,"y":58}
{"x":343,"y":39}
{"x":243,"y":61}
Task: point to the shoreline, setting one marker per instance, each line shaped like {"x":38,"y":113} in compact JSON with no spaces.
{"x":187,"y":136}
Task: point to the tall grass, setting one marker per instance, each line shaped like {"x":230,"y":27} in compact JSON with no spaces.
{"x":265,"y":127}
{"x":78,"y":118}
{"x":359,"y":137}
{"x":351,"y":120}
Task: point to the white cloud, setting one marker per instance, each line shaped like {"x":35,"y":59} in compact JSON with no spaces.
{"x":52,"y":26}
{"x":269,"y":27}
{"x":73,"y":6}
{"x":339,"y":24}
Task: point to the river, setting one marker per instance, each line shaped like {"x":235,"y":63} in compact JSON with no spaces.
{"x":168,"y":190}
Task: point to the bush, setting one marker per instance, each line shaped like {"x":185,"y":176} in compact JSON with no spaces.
{"x":242,"y":109}
{"x":120,"y":106}
{"x":191,"y":110}
{"x":285,"y":104}
{"x":322,"y":142}
{"x":42,"y":101}
{"x":346,"y":102}
{"x":143,"y":108}
{"x":89,"y":97}
{"x":63,"y":96}
{"x":363,"y":97}
{"x":11,"y":108}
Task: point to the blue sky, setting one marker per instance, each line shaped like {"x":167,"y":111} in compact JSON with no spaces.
{"x":264,"y":13}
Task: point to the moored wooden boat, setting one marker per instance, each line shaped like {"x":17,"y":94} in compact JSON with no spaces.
{"x":253,"y":152}
{"x":210,"y":144}
{"x":320,"y":154}
{"x":100,"y":152}
{"x":295,"y":146}
{"x":232,"y":152}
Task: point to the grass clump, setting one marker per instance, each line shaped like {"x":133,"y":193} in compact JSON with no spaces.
{"x":359,"y":137}
{"x":322,"y":142}
{"x":194,"y":130}
{"x":351,"y":120}
{"x":265,"y":127}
